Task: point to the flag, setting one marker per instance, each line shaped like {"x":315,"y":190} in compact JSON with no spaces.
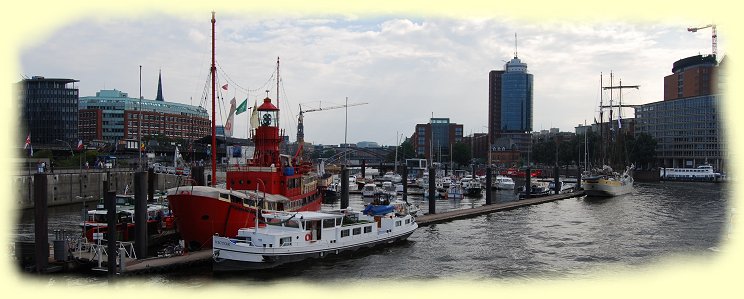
{"x":29,"y":146}
{"x":242,"y":107}
{"x":224,"y":86}
{"x":254,"y":116}
{"x":229,"y":123}
{"x":175,"y":158}
{"x":80,"y":146}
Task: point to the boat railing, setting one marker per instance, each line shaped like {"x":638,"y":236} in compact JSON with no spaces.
{"x":100,"y":250}
{"x":246,"y":168}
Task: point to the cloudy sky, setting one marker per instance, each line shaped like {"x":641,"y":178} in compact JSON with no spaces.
{"x":406,"y":67}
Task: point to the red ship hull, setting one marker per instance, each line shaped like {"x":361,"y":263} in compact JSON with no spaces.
{"x":200,"y":214}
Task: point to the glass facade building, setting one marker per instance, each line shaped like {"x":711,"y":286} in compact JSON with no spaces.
{"x":687,"y":131}
{"x":433,"y":140}
{"x":49,"y":110}
{"x":516,"y":102}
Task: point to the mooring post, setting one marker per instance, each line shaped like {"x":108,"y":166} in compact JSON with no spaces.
{"x":140,"y":214}
{"x":578,"y":180}
{"x":445,"y":169}
{"x":364,"y":167}
{"x":109,"y":200}
{"x":197,"y":173}
{"x":41,"y":219}
{"x":432,"y":202}
{"x":405,"y":183}
{"x":527,"y":186}
{"x":344,"y":187}
{"x":488,"y":185}
{"x":151,"y":179}
{"x":556,"y":179}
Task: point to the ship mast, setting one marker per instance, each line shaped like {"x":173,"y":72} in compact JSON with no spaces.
{"x":277,"y":90}
{"x":214,"y":137}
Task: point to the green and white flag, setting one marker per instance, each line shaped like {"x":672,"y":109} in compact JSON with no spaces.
{"x":243,"y":106}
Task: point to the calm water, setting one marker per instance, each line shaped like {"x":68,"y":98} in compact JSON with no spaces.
{"x":561,"y":239}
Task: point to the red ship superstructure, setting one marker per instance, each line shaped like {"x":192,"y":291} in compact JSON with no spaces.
{"x":272,"y":180}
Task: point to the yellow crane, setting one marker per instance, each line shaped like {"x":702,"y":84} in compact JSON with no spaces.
{"x":714,"y":36}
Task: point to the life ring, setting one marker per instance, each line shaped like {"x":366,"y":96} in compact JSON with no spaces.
{"x":184,"y":192}
{"x":308,"y":237}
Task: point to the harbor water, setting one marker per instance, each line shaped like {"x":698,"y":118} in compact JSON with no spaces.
{"x":569,"y":238}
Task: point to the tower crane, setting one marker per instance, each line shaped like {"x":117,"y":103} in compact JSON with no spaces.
{"x":300,"y":126}
{"x":714,"y":36}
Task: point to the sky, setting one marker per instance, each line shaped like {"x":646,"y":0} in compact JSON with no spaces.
{"x":407,"y":68}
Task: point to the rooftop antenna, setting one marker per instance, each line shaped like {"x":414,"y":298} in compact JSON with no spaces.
{"x":515,"y":45}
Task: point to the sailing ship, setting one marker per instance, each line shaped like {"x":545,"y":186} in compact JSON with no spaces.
{"x":287,"y":182}
{"x":604,"y":181}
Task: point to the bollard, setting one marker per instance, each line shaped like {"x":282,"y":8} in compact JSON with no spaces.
{"x":140,"y":214}
{"x":405,"y":183}
{"x":527,"y":186}
{"x":109,"y":201}
{"x":364,"y":166}
{"x":432,"y":202}
{"x":488,"y":185}
{"x":122,"y":259}
{"x":41,"y":219}
{"x":344,"y":187}
{"x":556,"y":179}
{"x":578,"y":181}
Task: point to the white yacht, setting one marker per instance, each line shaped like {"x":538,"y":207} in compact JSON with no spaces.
{"x":702,"y":173}
{"x":293,"y":237}
{"x":503,"y":183}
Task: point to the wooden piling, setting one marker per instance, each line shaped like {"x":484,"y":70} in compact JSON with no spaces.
{"x":41,"y":219}
{"x":140,"y":214}
{"x":488,"y":185}
{"x":432,"y":202}
{"x":109,"y":200}
{"x":344,"y":187}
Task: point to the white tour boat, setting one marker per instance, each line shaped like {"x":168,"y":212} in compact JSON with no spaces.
{"x":294,"y":237}
{"x":703,"y":173}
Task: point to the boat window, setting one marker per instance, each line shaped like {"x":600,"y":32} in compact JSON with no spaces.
{"x":344,"y":233}
{"x":408,"y":221}
{"x":329,"y":223}
{"x":357,"y":231}
{"x":286,"y":241}
{"x":367,"y":229}
{"x":292,"y":223}
{"x":397,"y":223}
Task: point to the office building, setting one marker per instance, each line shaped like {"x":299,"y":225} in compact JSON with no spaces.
{"x":49,"y":111}
{"x":510,"y":107}
{"x":687,"y":123}
{"x":434,"y":140}
{"x":116,"y":118}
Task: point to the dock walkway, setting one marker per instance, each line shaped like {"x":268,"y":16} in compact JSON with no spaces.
{"x":486,"y":209}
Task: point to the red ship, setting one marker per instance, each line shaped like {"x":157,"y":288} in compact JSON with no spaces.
{"x":274,"y":181}
{"x":520,"y":173}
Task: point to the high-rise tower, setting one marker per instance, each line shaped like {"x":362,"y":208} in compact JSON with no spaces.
{"x":510,"y":106}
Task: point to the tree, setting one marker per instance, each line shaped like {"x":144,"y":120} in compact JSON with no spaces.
{"x":405,"y":151}
{"x":461,"y":153}
{"x":643,"y":150}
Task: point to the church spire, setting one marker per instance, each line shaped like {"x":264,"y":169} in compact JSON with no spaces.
{"x":160,"y":89}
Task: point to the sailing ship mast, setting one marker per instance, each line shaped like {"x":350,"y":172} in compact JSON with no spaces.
{"x":214,"y":131}
{"x":619,"y":106}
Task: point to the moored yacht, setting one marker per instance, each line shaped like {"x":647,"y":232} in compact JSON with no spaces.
{"x":293,"y":237}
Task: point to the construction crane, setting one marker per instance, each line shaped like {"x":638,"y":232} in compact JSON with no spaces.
{"x":300,"y":126}
{"x":712,"y":26}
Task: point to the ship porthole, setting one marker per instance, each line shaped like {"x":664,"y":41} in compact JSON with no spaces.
{"x":205,"y":217}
